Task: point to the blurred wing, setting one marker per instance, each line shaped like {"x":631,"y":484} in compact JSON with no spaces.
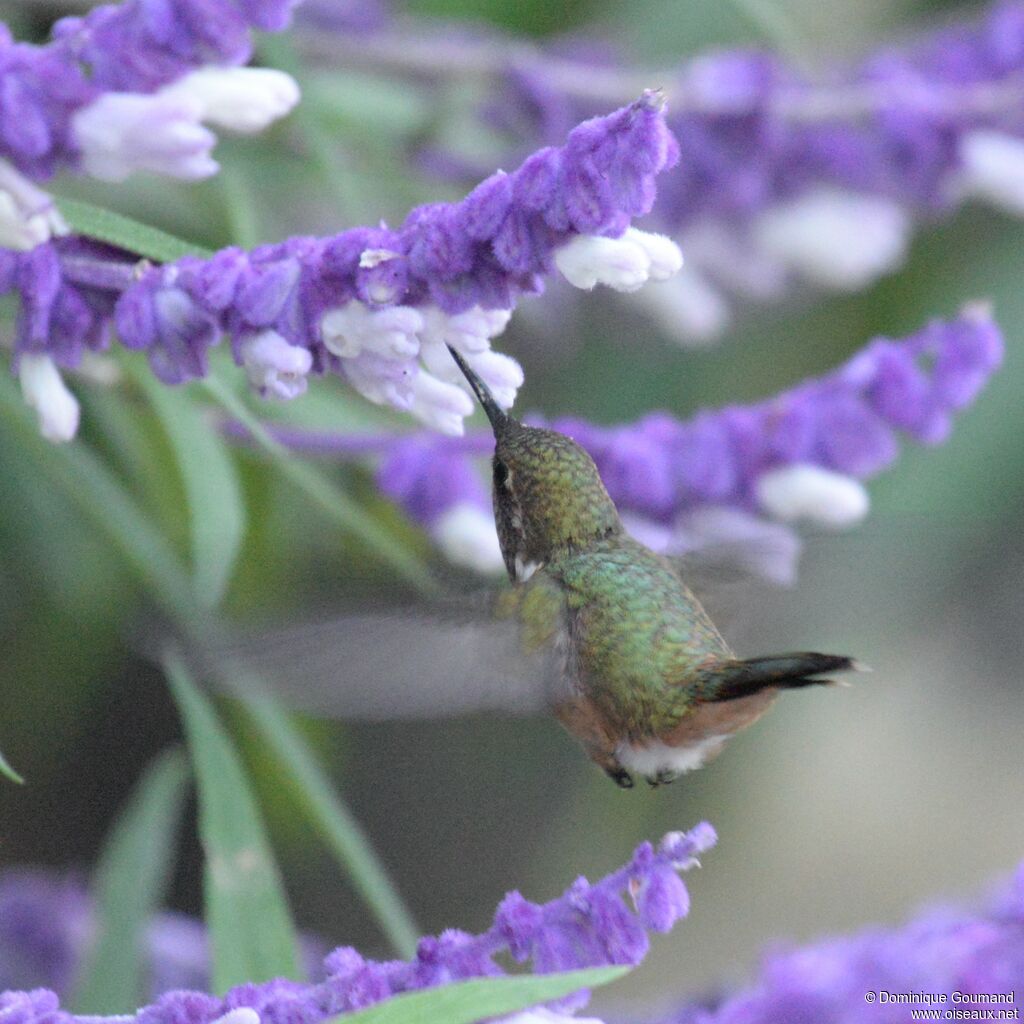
{"x":388,"y":666}
{"x":737,"y":562}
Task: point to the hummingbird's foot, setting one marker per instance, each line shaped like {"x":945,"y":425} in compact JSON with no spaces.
{"x":620,"y":777}
{"x":662,"y":778}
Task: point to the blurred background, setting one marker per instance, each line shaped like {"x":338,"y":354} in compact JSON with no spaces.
{"x":842,"y":808}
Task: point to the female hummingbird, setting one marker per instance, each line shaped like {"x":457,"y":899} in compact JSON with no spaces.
{"x":596,"y":628}
{"x":643,"y":678}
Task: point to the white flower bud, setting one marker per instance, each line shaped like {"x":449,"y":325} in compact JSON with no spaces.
{"x":805,"y":491}
{"x":589,"y":260}
{"x":392,"y":333}
{"x":383,"y":382}
{"x":123,"y":132}
{"x":993,"y":169}
{"x":466,"y":534}
{"x":666,"y":259}
{"x":439,"y":404}
{"x":241,"y":99}
{"x":542,"y":1015}
{"x":28,"y":216}
{"x":44,"y":390}
{"x":724,"y":536}
{"x":275,"y":368}
{"x":687,"y":307}
{"x":835,"y":238}
{"x":470,"y":331}
{"x":239,"y":1015}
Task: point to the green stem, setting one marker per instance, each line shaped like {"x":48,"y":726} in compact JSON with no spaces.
{"x":340,"y":830}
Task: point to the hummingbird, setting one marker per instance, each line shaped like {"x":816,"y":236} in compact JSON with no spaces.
{"x":646,"y":682}
{"x":595,"y":628}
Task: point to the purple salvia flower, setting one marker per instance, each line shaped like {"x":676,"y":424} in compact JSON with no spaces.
{"x":127,"y":88}
{"x":47,"y":927}
{"x":377,"y":306}
{"x":588,"y":925}
{"x":918,"y":967}
{"x":717,"y":477}
{"x":785,"y":178}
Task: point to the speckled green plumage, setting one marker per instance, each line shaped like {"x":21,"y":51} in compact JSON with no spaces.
{"x":643,"y":679}
{"x":639,"y":635}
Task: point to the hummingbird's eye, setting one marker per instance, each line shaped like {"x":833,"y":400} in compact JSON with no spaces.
{"x":500,"y":473}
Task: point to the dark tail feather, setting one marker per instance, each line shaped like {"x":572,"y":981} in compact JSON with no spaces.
{"x":787,"y":671}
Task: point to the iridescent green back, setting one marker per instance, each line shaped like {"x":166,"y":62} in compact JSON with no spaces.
{"x":638,"y":632}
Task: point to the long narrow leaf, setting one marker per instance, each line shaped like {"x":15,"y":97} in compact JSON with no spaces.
{"x":74,"y":469}
{"x":215,"y":504}
{"x":8,"y":772}
{"x":99,"y":494}
{"x":252,"y":937}
{"x":126,"y":233}
{"x":322,"y":808}
{"x":131,"y":878}
{"x":468,"y":1001}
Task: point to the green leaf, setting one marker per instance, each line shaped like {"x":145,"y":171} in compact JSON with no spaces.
{"x":9,"y":773}
{"x":466,"y":1002}
{"x":215,"y":504}
{"x":77,"y":471}
{"x":126,"y":233}
{"x":338,"y":505}
{"x":132,"y":875}
{"x":252,"y":937}
{"x":332,"y":820}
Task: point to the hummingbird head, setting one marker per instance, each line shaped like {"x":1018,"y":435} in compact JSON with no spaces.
{"x":548,"y":495}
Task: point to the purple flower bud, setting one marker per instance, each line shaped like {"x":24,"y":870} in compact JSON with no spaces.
{"x":518,"y":921}
{"x":661,"y":899}
{"x":486,"y":207}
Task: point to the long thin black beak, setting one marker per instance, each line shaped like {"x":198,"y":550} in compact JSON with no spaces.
{"x":498,"y":417}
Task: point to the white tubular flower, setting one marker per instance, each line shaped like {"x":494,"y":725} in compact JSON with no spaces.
{"x":838,"y":239}
{"x":239,"y":1015}
{"x":439,"y":404}
{"x":657,"y":536}
{"x":501,"y":373}
{"x":993,"y":169}
{"x":589,"y":260}
{"x":240,"y":99}
{"x":124,"y":132}
{"x":466,"y":534}
{"x":624,"y":263}
{"x":275,"y":368}
{"x":806,"y":491}
{"x":28,"y":216}
{"x":727,"y":255}
{"x":44,"y":390}
{"x":392,"y":333}
{"x":471,"y":331}
{"x":542,"y":1015}
{"x":730,"y":536}
{"x":688,"y":308}
{"x":382,"y":382}
{"x":666,"y":259}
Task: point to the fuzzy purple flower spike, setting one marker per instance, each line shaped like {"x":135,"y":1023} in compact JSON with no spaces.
{"x":590,"y":925}
{"x":376,"y":305}
{"x":127,"y":86}
{"x":740,"y":475}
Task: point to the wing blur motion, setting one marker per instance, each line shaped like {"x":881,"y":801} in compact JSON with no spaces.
{"x":391,"y":665}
